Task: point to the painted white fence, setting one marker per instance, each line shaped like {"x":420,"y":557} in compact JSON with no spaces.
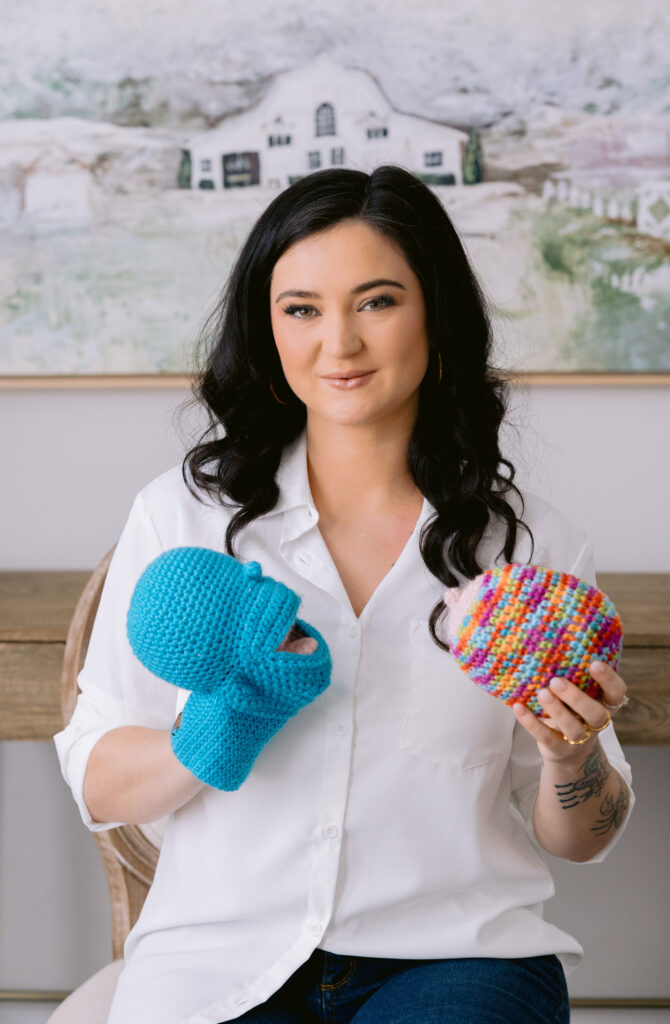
{"x":648,"y":209}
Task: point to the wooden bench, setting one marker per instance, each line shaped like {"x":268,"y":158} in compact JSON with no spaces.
{"x":36,"y":608}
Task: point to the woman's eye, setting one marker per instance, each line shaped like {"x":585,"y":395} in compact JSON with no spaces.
{"x":292,"y":310}
{"x":385,"y":300}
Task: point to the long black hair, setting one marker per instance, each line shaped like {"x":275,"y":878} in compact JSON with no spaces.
{"x":453,"y":454}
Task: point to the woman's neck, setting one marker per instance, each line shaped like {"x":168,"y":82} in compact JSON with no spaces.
{"x":359,"y":471}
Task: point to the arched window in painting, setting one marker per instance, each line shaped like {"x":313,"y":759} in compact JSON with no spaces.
{"x":325,"y":119}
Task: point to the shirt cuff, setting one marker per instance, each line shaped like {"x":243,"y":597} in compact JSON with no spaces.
{"x":73,"y":759}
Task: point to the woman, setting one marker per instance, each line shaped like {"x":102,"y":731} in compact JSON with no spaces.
{"x":383,"y":860}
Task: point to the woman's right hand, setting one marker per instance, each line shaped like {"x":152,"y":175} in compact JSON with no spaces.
{"x":203,"y":621}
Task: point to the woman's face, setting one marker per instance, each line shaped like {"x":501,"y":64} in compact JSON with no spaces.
{"x":351,"y":350}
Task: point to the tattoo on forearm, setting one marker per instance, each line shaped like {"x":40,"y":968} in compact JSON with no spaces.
{"x":596,"y":771}
{"x":613,"y":810}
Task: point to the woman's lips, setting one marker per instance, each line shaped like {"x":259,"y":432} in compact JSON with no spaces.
{"x":347,"y":383}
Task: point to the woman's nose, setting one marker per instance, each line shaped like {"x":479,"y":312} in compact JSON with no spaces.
{"x":340,"y":338}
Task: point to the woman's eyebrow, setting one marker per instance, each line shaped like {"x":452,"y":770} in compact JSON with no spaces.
{"x":354,"y":291}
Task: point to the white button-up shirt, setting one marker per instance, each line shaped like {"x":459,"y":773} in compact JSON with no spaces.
{"x":391,"y":817}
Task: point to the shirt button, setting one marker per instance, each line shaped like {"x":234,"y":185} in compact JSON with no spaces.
{"x":352,"y":631}
{"x":341,"y":729}
{"x":332,"y":831}
{"x":303,"y":559}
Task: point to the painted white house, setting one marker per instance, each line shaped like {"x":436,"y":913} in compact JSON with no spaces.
{"x":322,"y":115}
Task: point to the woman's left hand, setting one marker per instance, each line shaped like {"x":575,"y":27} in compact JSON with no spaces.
{"x":569,"y":710}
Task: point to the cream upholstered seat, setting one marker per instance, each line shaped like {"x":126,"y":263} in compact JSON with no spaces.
{"x":90,"y":1003}
{"x":129,"y":853}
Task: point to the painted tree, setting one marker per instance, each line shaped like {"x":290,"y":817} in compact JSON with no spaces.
{"x":184,"y":173}
{"x":473,"y":160}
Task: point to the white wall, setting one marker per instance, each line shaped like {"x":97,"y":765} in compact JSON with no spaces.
{"x":72,"y":462}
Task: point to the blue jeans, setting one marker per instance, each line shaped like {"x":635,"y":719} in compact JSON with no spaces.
{"x":333,"y":989}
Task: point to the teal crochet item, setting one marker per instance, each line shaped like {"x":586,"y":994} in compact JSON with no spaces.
{"x":203,"y":621}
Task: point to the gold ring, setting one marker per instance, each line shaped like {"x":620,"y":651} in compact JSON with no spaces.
{"x":578,"y":743}
{"x":601,"y":727}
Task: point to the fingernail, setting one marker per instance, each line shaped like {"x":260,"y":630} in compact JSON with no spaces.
{"x":557,"y":684}
{"x":598,"y":667}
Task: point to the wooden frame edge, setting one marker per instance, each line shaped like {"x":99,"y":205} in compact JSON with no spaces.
{"x":24,"y":995}
{"x":97,"y":381}
{"x":620,"y":1002}
{"x":592,"y":379}
{"x":33,"y":995}
{"x":116,"y":381}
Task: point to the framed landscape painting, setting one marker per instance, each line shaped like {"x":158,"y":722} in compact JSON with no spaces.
{"x":127,"y":187}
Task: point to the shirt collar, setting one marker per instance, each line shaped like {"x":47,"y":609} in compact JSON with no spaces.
{"x":295,"y":502}
{"x":291,"y":478}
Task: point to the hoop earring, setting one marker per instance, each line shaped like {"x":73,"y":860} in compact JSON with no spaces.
{"x":275,"y":395}
{"x":439,"y":363}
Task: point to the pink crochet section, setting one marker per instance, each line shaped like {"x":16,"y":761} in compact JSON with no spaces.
{"x":459,"y":600}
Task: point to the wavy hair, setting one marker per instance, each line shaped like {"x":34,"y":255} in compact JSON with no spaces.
{"x":453,"y":455}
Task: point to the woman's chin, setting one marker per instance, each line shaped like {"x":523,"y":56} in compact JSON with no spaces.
{"x":353,"y":413}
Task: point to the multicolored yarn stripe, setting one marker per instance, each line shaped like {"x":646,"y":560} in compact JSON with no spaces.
{"x":514,"y":628}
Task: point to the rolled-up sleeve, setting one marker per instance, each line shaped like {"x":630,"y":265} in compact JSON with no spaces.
{"x":525,"y":759}
{"x":116,"y":689}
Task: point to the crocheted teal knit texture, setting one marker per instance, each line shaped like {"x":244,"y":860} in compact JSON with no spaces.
{"x":203,"y":621}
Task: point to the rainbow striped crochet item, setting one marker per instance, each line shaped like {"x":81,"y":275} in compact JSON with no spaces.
{"x":514,"y":628}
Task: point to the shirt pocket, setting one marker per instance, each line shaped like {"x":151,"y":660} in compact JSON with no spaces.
{"x":449,"y":719}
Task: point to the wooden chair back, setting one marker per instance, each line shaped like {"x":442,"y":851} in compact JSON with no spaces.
{"x":128,"y":856}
